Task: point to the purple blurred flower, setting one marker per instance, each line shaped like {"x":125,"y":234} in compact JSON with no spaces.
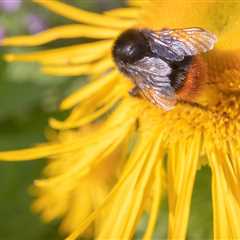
{"x":35,"y":23}
{"x":2,"y":33}
{"x":10,"y":5}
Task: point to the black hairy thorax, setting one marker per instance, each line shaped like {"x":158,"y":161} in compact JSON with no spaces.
{"x":132,"y":45}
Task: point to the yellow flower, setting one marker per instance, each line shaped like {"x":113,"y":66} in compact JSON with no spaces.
{"x":106,"y":163}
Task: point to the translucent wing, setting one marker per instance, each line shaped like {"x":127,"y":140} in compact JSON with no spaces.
{"x":151,"y":76}
{"x":175,"y":44}
{"x":152,"y":66}
{"x":166,"y":102}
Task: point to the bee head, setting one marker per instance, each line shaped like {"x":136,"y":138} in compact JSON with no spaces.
{"x":130,"y":46}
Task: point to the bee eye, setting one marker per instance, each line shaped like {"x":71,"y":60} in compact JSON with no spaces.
{"x":130,"y":47}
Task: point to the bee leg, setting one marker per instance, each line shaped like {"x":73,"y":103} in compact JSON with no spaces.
{"x":193,"y":104}
{"x":135,"y":92}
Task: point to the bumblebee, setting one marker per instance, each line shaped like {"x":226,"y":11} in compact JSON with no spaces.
{"x":164,"y":65}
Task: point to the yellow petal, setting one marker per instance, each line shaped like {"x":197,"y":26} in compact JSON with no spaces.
{"x":97,"y":145}
{"x":124,"y":12}
{"x":157,"y":192}
{"x":182,"y":167}
{"x":90,"y":156}
{"x":225,"y":195}
{"x":103,"y":65}
{"x":85,"y":16}
{"x":31,"y":153}
{"x":67,"y":31}
{"x":76,"y":70}
{"x":93,"y":107}
{"x":126,"y":207}
{"x":227,"y":22}
{"x":138,"y":3}
{"x":145,"y":180}
{"x":140,"y":153}
{"x":88,"y":118}
{"x":48,"y":150}
{"x":89,"y":90}
{"x":82,"y":53}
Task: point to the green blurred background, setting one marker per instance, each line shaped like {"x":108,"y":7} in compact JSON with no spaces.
{"x":28,"y":98}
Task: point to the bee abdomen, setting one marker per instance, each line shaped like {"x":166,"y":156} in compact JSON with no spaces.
{"x":188,"y":81}
{"x":179,"y":72}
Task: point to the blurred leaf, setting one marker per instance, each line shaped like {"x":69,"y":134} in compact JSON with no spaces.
{"x":18,"y":99}
{"x":17,"y":221}
{"x":200,"y":223}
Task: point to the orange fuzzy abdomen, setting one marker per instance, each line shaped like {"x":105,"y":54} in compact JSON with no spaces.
{"x":194,"y":79}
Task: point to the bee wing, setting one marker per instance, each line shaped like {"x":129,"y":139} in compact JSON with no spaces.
{"x":152,"y":66}
{"x":165,"y":99}
{"x":151,"y":76}
{"x":175,"y":44}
